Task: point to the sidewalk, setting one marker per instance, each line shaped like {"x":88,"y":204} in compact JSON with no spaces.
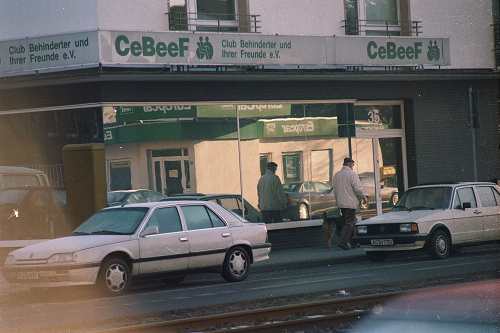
{"x":278,"y":260}
{"x":307,"y":257}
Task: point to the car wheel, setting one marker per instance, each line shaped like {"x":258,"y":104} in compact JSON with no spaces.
{"x":376,"y":256}
{"x":439,"y":245}
{"x":114,"y":276}
{"x":394,"y":199}
{"x":173,"y":279}
{"x":303,"y":212}
{"x":236,"y":265}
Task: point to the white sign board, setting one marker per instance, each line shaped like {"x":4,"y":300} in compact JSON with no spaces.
{"x":129,"y":48}
{"x":31,"y":54}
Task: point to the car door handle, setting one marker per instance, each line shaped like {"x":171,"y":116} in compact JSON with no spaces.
{"x":477,"y":212}
{"x":225,"y":234}
{"x":183,"y":239}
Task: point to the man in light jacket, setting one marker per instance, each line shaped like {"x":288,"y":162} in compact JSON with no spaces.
{"x":348,"y":191}
{"x":271,"y":195}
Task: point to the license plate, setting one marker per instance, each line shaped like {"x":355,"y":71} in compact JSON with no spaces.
{"x":28,"y":275}
{"x":382,"y":242}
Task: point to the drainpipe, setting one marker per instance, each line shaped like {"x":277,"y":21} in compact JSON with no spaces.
{"x":473,"y":120}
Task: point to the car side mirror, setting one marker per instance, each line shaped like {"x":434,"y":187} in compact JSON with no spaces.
{"x":466,"y":205}
{"x":152,"y":230}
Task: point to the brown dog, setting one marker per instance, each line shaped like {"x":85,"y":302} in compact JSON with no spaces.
{"x":331,"y":226}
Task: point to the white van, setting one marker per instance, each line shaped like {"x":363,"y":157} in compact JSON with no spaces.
{"x":11,"y":176}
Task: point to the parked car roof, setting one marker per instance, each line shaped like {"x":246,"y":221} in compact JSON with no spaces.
{"x":252,"y":214}
{"x":133,"y":196}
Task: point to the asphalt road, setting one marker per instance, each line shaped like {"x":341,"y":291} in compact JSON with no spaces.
{"x":36,"y":310}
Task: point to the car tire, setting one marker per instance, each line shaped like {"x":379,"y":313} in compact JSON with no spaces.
{"x":236,"y":265}
{"x":394,"y":199}
{"x":173,"y":279}
{"x":439,"y":245}
{"x":114,"y":277}
{"x":303,"y":212}
{"x":376,"y":256}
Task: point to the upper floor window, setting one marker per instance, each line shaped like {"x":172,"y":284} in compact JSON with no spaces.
{"x":211,"y":15}
{"x":379,"y":18}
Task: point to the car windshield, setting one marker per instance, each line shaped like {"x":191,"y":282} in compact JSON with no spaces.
{"x":291,"y":187}
{"x":12,"y":196}
{"x":122,"y":221}
{"x":367,"y":181}
{"x":425,"y":198}
{"x":115,"y":196}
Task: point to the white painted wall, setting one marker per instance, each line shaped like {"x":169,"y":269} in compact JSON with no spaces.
{"x":30,"y":18}
{"x":137,"y":15}
{"x":300,"y":18}
{"x":468,"y":25}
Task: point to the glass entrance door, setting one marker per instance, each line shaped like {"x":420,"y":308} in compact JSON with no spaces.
{"x":379,"y":154}
{"x":171,"y":171}
{"x":382,"y":188}
{"x":173,"y":177}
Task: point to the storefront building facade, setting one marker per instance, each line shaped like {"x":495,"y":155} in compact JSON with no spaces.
{"x":186,"y":109}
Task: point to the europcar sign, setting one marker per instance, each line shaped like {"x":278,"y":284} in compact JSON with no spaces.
{"x":126,"y":48}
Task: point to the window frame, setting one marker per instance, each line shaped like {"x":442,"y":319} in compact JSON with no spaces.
{"x":196,"y":22}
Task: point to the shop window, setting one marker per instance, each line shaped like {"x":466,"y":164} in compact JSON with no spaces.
{"x":292,"y":168}
{"x":302,"y":138}
{"x":120,"y":175}
{"x":377,"y":117}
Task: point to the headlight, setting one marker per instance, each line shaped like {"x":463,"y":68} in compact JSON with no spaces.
{"x":62,"y":257}
{"x":361,"y":229}
{"x":408,"y":227}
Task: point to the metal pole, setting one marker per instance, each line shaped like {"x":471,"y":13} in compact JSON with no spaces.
{"x":348,"y":129}
{"x":239,"y":155}
{"x":473,"y":134}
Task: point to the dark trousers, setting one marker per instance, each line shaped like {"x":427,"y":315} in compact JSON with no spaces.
{"x":349,"y":216}
{"x":270,"y":216}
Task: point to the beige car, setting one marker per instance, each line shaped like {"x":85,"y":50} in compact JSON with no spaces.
{"x":436,"y":218}
{"x":165,"y":240}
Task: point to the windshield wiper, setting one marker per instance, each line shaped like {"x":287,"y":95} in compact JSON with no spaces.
{"x":106,"y":232}
{"x":403,"y":207}
{"x":421,"y":207}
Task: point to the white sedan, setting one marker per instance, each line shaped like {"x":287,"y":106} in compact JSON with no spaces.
{"x":165,"y":240}
{"x":436,"y":218}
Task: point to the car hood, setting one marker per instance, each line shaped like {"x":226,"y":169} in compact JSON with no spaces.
{"x":44,"y":250}
{"x":408,"y":216}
